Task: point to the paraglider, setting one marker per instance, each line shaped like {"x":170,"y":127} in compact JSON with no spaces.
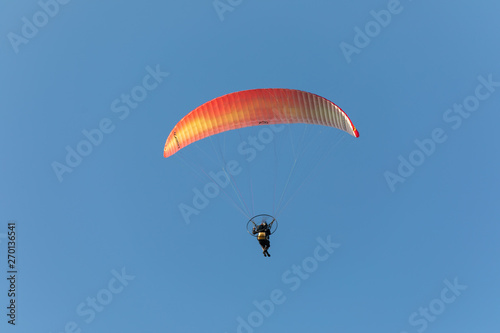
{"x":263,"y":233}
{"x":255,"y":108}
{"x":263,"y":230}
{"x":252,"y":108}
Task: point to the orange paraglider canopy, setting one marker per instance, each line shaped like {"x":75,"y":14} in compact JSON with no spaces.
{"x":252,"y":108}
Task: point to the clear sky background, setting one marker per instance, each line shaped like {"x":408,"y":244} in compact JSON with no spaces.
{"x":415,"y":248}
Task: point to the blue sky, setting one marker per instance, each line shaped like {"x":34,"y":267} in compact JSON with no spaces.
{"x":395,"y":231}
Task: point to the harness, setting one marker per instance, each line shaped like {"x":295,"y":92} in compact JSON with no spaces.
{"x":262,"y":236}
